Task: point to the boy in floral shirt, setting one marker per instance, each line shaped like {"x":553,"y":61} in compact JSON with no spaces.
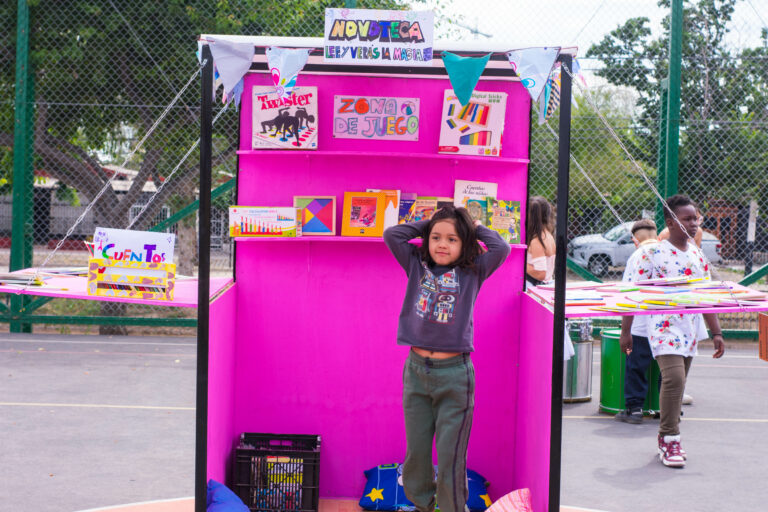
{"x":674,"y":337}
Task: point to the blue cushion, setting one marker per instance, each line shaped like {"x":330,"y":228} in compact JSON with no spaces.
{"x":384,"y":490}
{"x":221,"y":499}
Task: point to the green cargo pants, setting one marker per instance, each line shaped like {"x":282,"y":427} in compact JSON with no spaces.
{"x":438,"y":401}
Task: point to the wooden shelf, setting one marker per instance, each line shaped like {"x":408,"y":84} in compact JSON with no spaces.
{"x":284,"y":153}
{"x":335,"y":239}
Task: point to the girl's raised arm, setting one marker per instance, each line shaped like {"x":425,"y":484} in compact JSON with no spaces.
{"x":397,"y":238}
{"x":498,"y":250}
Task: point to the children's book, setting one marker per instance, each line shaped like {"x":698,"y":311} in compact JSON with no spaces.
{"x":284,"y":124}
{"x":256,"y":221}
{"x":406,"y":202}
{"x":475,"y":128}
{"x":363,"y":214}
{"x":444,"y":201}
{"x":392,"y":208}
{"x":423,"y":208}
{"x":504,"y":217}
{"x":473,"y":196}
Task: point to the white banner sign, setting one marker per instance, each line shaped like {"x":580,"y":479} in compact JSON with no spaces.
{"x":379,"y":37}
{"x":127,"y":245}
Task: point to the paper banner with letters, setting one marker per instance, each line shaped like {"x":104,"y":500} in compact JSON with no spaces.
{"x":138,"y":246}
{"x":374,"y":117}
{"x":380,"y":37}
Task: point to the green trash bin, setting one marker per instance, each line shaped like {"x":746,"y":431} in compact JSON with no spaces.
{"x":613,"y":363}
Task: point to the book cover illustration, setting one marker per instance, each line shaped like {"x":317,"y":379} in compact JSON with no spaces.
{"x":504,"y":218}
{"x":392,"y":207}
{"x":406,"y":202}
{"x":423,"y":208}
{"x":255,"y":221}
{"x":474,"y":129}
{"x":284,"y":124}
{"x":473,"y":196}
{"x":363,"y":213}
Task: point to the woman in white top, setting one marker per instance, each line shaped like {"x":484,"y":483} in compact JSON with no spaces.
{"x":540,"y":263}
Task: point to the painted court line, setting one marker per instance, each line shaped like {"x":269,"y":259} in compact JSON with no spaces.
{"x":99,"y":406}
{"x":159,"y":344}
{"x":726,"y":420}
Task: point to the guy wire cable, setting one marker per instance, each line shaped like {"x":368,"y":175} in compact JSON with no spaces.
{"x":108,"y":183}
{"x":642,"y":173}
{"x":168,"y":178}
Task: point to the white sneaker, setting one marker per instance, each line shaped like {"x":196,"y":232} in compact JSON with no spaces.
{"x":669,"y":451}
{"x":687,"y":399}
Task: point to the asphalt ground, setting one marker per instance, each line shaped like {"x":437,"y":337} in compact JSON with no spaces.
{"x":92,"y":421}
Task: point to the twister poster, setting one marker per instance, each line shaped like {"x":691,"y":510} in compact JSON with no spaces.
{"x":284,"y":123}
{"x":475,"y":128}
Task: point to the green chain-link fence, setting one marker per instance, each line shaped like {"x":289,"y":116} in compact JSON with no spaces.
{"x":104,"y":71}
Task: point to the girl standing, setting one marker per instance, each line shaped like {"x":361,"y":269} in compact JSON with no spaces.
{"x":444,"y":278}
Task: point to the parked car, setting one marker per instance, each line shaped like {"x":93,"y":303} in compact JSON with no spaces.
{"x":598,"y":252}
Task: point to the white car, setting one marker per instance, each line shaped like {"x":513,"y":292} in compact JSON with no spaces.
{"x":598,"y":252}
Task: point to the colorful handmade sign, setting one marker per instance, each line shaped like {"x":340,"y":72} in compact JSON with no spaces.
{"x":133,"y":246}
{"x":464,"y":72}
{"x":284,"y":66}
{"x":375,"y":117}
{"x":533,"y":66}
{"x":131,"y":279}
{"x":475,"y":128}
{"x":380,"y":37}
{"x":284,"y":124}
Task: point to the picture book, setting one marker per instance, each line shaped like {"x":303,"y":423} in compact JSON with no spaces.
{"x":444,"y":201}
{"x":363,"y":214}
{"x":473,"y":196}
{"x":475,"y":128}
{"x":406,"y":202}
{"x":392,"y":209}
{"x":423,"y":208}
{"x":284,"y":124}
{"x":504,"y":217}
{"x":264,"y":221}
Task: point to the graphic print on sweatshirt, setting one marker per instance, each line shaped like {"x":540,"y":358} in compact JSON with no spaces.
{"x":438,"y":296}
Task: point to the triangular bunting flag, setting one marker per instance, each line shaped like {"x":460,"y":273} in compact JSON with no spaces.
{"x":233,"y":60}
{"x":464,"y":72}
{"x":284,"y":65}
{"x":515,"y":501}
{"x":550,"y":98}
{"x":533,"y":66}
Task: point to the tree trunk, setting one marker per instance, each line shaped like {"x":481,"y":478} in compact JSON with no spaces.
{"x":187,"y":246}
{"x":113,"y":309}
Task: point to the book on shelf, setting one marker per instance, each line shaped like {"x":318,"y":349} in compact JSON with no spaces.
{"x":423,"y":208}
{"x":284,"y":124}
{"x":473,"y":195}
{"x":504,"y":218}
{"x":363,"y":213}
{"x":392,"y":208}
{"x":406,"y":202}
{"x":475,"y":128}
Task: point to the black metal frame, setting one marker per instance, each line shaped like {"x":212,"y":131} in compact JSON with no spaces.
{"x":563,"y":169}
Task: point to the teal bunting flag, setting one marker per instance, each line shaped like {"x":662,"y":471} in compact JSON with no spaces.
{"x":464,"y":72}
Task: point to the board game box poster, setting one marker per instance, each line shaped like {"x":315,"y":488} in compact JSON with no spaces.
{"x":284,"y":124}
{"x":474,"y":129}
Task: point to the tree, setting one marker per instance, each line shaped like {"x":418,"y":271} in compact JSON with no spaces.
{"x":723,"y":114}
{"x":106,"y":67}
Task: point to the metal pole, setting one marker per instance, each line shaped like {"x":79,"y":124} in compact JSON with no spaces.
{"x":561,"y":240}
{"x":673,"y":100}
{"x":661,"y":161}
{"x":23,"y":147}
{"x":203,"y":283}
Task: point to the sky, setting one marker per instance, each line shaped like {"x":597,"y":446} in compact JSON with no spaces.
{"x":576,"y":22}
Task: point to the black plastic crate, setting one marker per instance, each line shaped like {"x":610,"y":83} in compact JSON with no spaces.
{"x":277,"y":472}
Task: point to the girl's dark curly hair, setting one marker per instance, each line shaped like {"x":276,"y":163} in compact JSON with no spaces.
{"x":465,"y":228}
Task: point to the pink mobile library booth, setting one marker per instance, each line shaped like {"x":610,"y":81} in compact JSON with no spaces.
{"x":304,"y":340}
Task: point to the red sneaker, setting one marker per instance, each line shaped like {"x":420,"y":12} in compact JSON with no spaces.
{"x":670,"y":451}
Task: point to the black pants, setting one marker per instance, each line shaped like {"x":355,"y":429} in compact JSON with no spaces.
{"x":635,"y":379}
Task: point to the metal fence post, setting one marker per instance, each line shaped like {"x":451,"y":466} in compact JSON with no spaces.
{"x":673,"y":98}
{"x":661,"y":166}
{"x":23,"y":144}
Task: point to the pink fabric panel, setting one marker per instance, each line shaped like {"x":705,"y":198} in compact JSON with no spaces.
{"x":533,"y":401}
{"x":221,"y":364}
